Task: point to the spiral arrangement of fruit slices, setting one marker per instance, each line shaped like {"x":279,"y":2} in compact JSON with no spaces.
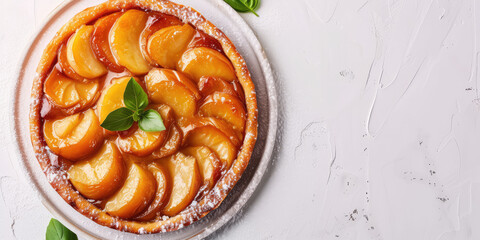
{"x":135,"y":174}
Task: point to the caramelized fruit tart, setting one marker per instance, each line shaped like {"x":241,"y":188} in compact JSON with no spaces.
{"x":134,"y":180}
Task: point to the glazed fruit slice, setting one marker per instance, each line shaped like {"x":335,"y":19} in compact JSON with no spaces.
{"x":65,"y":66}
{"x":235,"y":137}
{"x":81,"y":56}
{"x":202,"y":39}
{"x":140,"y":143}
{"x":225,"y":106}
{"x":186,"y":182}
{"x":112,"y":97}
{"x":166,"y":46}
{"x":208,"y":163}
{"x":100,"y":175}
{"x":206,"y":62}
{"x":173,"y":143}
{"x":210,"y":85}
{"x":216,"y":140}
{"x":168,"y":116}
{"x":162,"y":194}
{"x":135,"y":195}
{"x":188,"y":125}
{"x":174,"y":89}
{"x":75,"y":136}
{"x":156,"y":21}
{"x":100,"y":44}
{"x":67,"y":93}
{"x":124,"y":39}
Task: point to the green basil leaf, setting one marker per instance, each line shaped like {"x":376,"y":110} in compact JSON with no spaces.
{"x":244,"y":5}
{"x":151,"y":121}
{"x":119,"y":120}
{"x":56,"y":231}
{"x":134,"y":97}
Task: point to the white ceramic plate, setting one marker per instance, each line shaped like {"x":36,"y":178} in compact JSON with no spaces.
{"x":242,"y":36}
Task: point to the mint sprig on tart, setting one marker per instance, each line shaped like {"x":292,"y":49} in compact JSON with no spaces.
{"x":135,"y":100}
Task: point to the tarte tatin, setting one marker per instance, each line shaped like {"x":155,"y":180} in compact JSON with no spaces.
{"x":136,"y":181}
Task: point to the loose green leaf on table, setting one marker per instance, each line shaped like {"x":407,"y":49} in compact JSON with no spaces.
{"x":244,"y":5}
{"x":56,"y":231}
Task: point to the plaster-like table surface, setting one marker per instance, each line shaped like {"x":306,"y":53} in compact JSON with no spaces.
{"x":380,"y":121}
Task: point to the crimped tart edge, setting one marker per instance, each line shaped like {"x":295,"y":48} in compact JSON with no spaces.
{"x":58,"y":178}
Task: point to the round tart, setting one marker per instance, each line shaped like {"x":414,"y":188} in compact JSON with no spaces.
{"x":134,"y":180}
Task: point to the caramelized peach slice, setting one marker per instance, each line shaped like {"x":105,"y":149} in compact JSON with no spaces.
{"x":174,"y":89}
{"x":65,"y":66}
{"x":156,"y":21}
{"x":80,"y":54}
{"x":166,"y":46}
{"x":124,"y":39}
{"x":75,"y":136}
{"x":206,"y":62}
{"x":209,"y":85}
{"x":239,"y":89}
{"x":100,"y":44}
{"x":202,"y":39}
{"x":186,"y":182}
{"x":168,"y":116}
{"x":216,"y":140}
{"x":235,"y":137}
{"x":100,"y":175}
{"x":188,"y":125}
{"x":141,"y":143}
{"x":173,"y":143}
{"x":67,"y":93}
{"x":164,"y":187}
{"x":135,"y":195}
{"x":112,"y":98}
{"x":208,"y":163}
{"x":227,"y":107}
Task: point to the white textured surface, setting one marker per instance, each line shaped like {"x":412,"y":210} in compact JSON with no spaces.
{"x":380,"y":131}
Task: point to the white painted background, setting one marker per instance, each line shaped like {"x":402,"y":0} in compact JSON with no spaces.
{"x":380,"y":128}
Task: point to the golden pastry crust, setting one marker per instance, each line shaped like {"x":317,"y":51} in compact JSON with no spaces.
{"x":57,"y":176}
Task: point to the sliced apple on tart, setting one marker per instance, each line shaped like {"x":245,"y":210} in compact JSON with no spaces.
{"x":172,"y":144}
{"x":100,"y":175}
{"x":112,"y":97}
{"x":66,"y":93}
{"x":214,"y":139}
{"x":210,"y":85}
{"x":141,"y":143}
{"x":227,"y":107}
{"x":65,"y":67}
{"x":75,"y":136}
{"x":100,"y":43}
{"x":186,"y":181}
{"x":135,"y":195}
{"x":80,"y":54}
{"x":124,"y":39}
{"x":156,"y":22}
{"x":174,"y":89}
{"x":162,"y":194}
{"x":206,"y":62}
{"x":166,"y":46}
{"x":208,"y":163}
